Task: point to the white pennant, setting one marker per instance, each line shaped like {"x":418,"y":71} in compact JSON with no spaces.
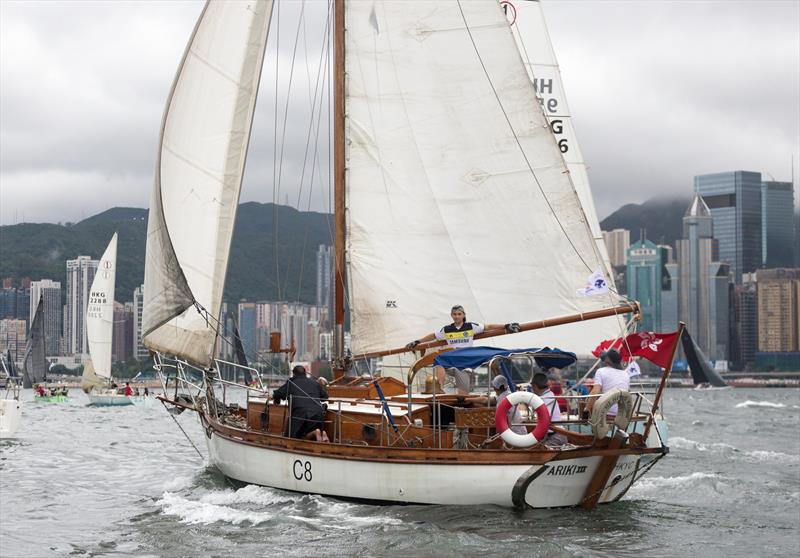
{"x":595,"y":285}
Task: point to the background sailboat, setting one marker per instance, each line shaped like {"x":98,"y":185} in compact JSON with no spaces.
{"x":10,"y":405}
{"x":34,"y":364}
{"x":96,"y":379}
{"x":703,"y":374}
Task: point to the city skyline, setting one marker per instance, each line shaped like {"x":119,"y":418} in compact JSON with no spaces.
{"x":688,"y":89}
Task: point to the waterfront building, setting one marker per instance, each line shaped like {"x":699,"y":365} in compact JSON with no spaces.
{"x":80,"y":274}
{"x":50,"y":291}
{"x":734,"y":200}
{"x":140,"y":352}
{"x":777,"y":224}
{"x":644,"y":281}
{"x":14,"y":337}
{"x":8,"y":303}
{"x":246,"y":318}
{"x":744,"y":321}
{"x":703,"y":285}
{"x":779,"y":310}
{"x":325,"y":277}
{"x":617,"y":242}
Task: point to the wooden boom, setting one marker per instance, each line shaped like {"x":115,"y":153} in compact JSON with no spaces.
{"x":628,"y":308}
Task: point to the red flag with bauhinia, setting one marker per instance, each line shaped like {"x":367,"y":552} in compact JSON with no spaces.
{"x":655,"y":347}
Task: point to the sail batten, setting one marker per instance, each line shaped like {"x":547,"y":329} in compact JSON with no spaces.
{"x":203,"y":148}
{"x":457,"y":191}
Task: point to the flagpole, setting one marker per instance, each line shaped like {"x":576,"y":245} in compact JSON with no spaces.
{"x":662,"y":385}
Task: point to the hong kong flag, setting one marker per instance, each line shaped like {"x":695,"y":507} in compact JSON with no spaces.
{"x":655,"y":347}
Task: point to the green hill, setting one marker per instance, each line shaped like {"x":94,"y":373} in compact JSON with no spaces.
{"x":40,"y":250}
{"x":661,"y":219}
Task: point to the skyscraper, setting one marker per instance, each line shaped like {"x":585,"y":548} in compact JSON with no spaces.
{"x":777,"y":224}
{"x":325,"y":277}
{"x":617,"y":242}
{"x":644,"y":281}
{"x":122,"y":339}
{"x":779,"y":310}
{"x":744,"y":321}
{"x":80,"y":274}
{"x":703,"y":292}
{"x":734,"y":199}
{"x":51,"y":292}
{"x":139,"y":350}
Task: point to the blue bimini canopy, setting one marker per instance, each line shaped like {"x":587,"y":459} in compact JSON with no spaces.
{"x":472,"y":357}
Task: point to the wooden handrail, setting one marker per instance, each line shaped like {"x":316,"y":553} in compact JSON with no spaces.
{"x":631,"y":307}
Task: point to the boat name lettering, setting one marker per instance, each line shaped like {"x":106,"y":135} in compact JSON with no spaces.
{"x":564,"y":470}
{"x":302,"y":470}
{"x":391,"y":304}
{"x":624,"y":466}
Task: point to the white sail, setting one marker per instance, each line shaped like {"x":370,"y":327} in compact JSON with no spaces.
{"x":201,"y":159}
{"x":533,"y":40}
{"x":457,"y":192}
{"x":100,"y":311}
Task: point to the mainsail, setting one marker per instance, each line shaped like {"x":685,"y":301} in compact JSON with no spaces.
{"x":34,"y":365}
{"x":702,"y":373}
{"x":100,"y":319}
{"x":457,"y":191}
{"x":204,"y":138}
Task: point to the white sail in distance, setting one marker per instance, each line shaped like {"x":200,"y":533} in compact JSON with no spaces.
{"x":456,"y":192}
{"x":100,"y":312}
{"x":201,"y":159}
{"x":533,"y":40}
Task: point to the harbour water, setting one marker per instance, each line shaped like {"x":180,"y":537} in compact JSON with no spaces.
{"x":83,"y":481}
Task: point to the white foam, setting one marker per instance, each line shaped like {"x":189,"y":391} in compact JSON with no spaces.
{"x":773,"y":456}
{"x":769,"y":404}
{"x":687,"y":482}
{"x":178,"y":483}
{"x":250,"y":494}
{"x":684,"y":443}
{"x":193,"y":512}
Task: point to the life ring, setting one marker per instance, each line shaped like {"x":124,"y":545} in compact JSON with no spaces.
{"x":534,"y":402}
{"x":624,"y":401}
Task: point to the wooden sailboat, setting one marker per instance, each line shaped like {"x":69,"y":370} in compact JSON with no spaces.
{"x":450,"y":186}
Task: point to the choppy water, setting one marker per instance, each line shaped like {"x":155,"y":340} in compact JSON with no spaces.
{"x":124,"y":482}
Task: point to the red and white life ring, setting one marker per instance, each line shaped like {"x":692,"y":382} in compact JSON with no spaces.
{"x":534,"y":402}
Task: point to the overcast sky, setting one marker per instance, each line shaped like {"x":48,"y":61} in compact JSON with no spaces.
{"x":660,"y":91}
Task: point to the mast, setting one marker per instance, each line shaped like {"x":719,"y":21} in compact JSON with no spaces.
{"x":338,"y":187}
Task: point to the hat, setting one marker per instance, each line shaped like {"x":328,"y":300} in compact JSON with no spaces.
{"x":499,"y":382}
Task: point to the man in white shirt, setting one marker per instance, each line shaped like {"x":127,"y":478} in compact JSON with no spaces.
{"x":611,"y":376}
{"x":541,"y":387}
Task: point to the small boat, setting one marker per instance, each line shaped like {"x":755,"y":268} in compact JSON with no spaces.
{"x":96,"y":380}
{"x":10,"y":405}
{"x":450,"y":182}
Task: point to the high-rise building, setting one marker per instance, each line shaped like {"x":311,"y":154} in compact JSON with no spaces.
{"x":122,"y":338}
{"x":777,"y":224}
{"x":669,"y":298}
{"x":80,"y":274}
{"x":247,"y":327}
{"x":617,"y":242}
{"x":703,"y":285}
{"x":744,"y":321}
{"x":779,"y":310}
{"x":734,"y":199}
{"x":50,"y":291}
{"x":325,"y":277}
{"x":140,"y":352}
{"x":8,"y":303}
{"x":14,"y":337}
{"x":644,"y":281}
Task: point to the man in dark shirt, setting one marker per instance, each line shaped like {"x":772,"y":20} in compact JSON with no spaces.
{"x":305,"y":397}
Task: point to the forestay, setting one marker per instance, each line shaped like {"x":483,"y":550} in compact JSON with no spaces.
{"x":204,"y":138}
{"x":530,"y":32}
{"x":457,"y":192}
{"x":100,"y":311}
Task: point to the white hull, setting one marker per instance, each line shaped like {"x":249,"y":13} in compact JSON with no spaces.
{"x":10,"y":412}
{"x":112,"y":400}
{"x":559,"y":484}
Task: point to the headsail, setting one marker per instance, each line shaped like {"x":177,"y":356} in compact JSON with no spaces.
{"x":204,"y":138}
{"x":34,"y":365}
{"x":530,"y":32}
{"x":100,"y":315}
{"x":457,"y":192}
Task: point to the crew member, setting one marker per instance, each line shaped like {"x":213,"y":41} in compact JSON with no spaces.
{"x":501,"y":391}
{"x":128,"y":389}
{"x":460,"y":334}
{"x":611,"y":376}
{"x":305,"y":396}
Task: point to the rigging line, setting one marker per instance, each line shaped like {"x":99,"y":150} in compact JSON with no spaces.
{"x":275,"y":150}
{"x":184,"y":431}
{"x":285,"y":120}
{"x":519,"y":145}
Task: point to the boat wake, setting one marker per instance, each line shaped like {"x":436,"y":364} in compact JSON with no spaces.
{"x":258,"y":505}
{"x":695,"y":482}
{"x":767,"y":404}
